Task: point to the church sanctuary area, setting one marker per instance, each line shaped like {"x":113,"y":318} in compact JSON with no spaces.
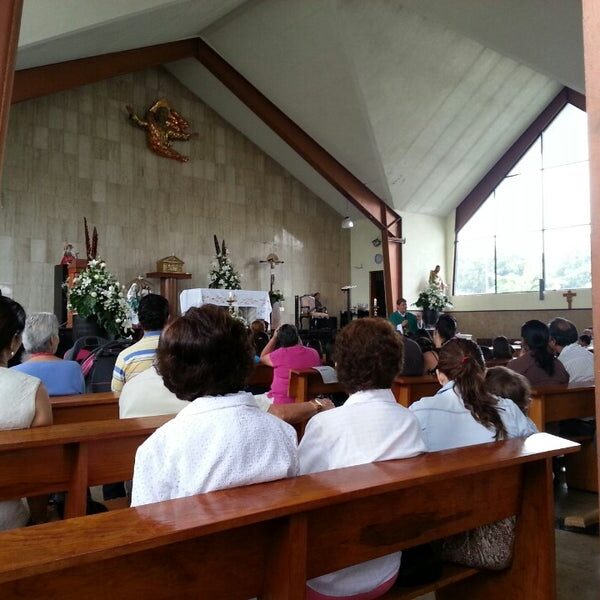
{"x":296,"y":299}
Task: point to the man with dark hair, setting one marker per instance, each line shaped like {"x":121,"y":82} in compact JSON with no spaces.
{"x":578,"y":361}
{"x":153,"y":313}
{"x":402,"y":317}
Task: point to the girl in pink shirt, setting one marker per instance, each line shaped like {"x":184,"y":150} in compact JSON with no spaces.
{"x":285,"y":352}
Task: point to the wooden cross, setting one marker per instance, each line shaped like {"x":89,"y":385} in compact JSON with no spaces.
{"x":569,"y":296}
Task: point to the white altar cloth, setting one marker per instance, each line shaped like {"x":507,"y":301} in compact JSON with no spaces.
{"x":257,"y":302}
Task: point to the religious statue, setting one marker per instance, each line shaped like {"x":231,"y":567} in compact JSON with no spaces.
{"x":272,"y":260}
{"x":69,"y":254}
{"x":435,"y":279}
{"x":136,"y":290}
{"x":163,"y":125}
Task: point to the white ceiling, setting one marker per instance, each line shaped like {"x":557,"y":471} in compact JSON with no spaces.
{"x":418,"y":98}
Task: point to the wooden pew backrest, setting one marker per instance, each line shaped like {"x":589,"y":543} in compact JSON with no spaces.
{"x":71,"y":458}
{"x":268,"y":539}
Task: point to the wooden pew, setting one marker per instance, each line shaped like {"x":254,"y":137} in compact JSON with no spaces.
{"x":71,"y":458}
{"x":266,"y":540}
{"x":410,"y":389}
{"x":560,"y":402}
{"x":102,"y":406}
{"x":306,"y":384}
{"x":80,"y":408}
{"x":262,"y":375}
{"x":569,"y":401}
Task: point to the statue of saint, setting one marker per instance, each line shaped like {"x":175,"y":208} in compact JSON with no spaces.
{"x":436,"y":280}
{"x":69,"y":255}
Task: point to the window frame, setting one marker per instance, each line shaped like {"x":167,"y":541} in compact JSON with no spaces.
{"x":494,"y":177}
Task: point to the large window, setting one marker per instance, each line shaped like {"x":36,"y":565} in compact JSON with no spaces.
{"x":536,"y":223}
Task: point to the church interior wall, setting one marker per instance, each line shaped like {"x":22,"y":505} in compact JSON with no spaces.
{"x":424,"y":248}
{"x":75,"y":154}
{"x":488,"y":315}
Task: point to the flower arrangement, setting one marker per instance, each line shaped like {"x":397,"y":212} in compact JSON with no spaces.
{"x":97,"y":293}
{"x":222,"y":274}
{"x":276,"y":296}
{"x":433,"y":298}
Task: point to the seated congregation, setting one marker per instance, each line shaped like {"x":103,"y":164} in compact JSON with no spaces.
{"x":197,"y":368}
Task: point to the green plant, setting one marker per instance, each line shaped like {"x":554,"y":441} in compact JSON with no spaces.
{"x":97,"y":294}
{"x":276,"y":296}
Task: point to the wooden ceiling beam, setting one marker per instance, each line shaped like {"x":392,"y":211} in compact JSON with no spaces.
{"x":10,"y":24}
{"x":57,"y":77}
{"x":369,"y":204}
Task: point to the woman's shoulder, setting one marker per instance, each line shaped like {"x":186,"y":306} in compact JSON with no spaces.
{"x":445,"y":399}
{"x":15,"y":377}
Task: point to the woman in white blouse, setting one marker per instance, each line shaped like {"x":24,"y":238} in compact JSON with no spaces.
{"x":370,"y":426}
{"x":24,"y":403}
{"x":205,"y":357}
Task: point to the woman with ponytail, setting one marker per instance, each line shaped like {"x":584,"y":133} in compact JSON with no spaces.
{"x":463,"y":412}
{"x":537,"y":362}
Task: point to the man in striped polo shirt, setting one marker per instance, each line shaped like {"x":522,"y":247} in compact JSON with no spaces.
{"x":153,"y":313}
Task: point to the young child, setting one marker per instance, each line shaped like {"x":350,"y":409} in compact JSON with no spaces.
{"x":505,"y":383}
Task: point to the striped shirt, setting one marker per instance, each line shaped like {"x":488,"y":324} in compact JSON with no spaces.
{"x":135,"y":359}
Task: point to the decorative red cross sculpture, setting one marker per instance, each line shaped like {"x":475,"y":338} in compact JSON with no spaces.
{"x":569,"y":296}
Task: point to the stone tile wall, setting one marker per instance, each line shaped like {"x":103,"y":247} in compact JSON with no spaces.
{"x":75,"y":154}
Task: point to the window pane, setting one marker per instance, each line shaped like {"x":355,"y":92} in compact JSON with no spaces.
{"x":519,"y":203}
{"x":475,"y":267}
{"x":531,"y":160}
{"x":482,"y":223}
{"x":565,"y":140}
{"x":567,"y":258}
{"x":566,"y":195}
{"x":519,"y":261}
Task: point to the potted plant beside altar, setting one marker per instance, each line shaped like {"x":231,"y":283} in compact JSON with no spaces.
{"x":432,"y":300}
{"x":98,"y":301}
{"x":222,"y":274}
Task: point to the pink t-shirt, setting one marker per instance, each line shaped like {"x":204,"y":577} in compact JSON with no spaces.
{"x":284,"y":359}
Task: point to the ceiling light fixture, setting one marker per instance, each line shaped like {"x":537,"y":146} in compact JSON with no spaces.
{"x":347,"y":223}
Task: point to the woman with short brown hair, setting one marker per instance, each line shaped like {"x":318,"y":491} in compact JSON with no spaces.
{"x":222,"y":439}
{"x":371,"y":426}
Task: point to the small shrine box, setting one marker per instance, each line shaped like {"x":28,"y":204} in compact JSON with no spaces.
{"x":170,"y":264}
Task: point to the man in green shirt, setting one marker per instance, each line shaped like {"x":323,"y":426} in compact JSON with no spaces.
{"x":402,"y":317}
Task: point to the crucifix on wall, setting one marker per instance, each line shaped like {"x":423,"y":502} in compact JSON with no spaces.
{"x":569,"y":296}
{"x":273,"y":261}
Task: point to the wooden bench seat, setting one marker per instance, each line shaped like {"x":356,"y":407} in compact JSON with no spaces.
{"x":551,"y":403}
{"x":79,"y":408}
{"x":102,"y":406}
{"x":305,"y":384}
{"x":266,"y":540}
{"x":71,"y":458}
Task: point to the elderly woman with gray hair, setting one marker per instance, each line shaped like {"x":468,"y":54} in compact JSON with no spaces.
{"x":40,"y":340}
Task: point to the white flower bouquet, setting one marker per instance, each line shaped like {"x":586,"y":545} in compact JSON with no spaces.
{"x":433,"y":298}
{"x":222,"y":275}
{"x":96,"y":293}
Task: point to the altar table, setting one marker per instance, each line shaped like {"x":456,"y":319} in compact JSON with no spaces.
{"x":257,"y":302}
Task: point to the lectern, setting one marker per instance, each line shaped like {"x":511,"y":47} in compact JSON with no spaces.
{"x":168,"y":287}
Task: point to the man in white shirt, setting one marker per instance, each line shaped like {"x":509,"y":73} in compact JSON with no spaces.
{"x":577,"y":360}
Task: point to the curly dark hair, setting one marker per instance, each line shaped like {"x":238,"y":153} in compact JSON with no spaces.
{"x":461,"y":361}
{"x":204,"y":353}
{"x":153,"y":312}
{"x":368,"y":355}
{"x":12,"y":321}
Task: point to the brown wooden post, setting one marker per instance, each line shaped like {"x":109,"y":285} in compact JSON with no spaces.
{"x":10,"y":23}
{"x":591,"y":45}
